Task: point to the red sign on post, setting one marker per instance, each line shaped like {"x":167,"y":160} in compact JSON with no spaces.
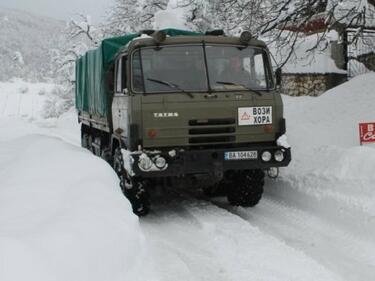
{"x":366,"y":132}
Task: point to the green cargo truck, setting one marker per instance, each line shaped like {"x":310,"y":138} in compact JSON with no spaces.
{"x":174,"y":106}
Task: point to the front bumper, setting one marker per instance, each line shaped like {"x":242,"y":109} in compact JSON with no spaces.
{"x":211,"y":161}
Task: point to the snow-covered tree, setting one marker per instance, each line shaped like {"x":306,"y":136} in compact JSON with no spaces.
{"x":230,"y":15}
{"x":132,"y":15}
{"x":80,"y":36}
{"x":282,"y":23}
{"x":288,"y":21}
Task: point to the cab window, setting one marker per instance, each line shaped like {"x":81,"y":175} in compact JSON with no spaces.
{"x":120,"y":75}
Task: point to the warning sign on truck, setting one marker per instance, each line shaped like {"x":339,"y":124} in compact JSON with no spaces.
{"x":257,"y":115}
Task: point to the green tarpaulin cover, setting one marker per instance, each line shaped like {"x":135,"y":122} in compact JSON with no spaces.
{"x":92,"y":93}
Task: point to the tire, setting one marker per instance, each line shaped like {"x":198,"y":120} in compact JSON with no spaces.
{"x":84,"y":137}
{"x":107,"y":156}
{"x":138,"y":197}
{"x":134,"y":188}
{"x":246,"y":188}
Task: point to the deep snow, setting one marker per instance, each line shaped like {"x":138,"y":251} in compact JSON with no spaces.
{"x":63,"y":217}
{"x":62,"y":214}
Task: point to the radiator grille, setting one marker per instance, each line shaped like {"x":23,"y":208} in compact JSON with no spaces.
{"x":206,"y":131}
{"x":205,"y":122}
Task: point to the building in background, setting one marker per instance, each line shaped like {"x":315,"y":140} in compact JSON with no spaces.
{"x":346,"y":53}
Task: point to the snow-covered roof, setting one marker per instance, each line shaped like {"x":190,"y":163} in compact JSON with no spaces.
{"x":347,"y":13}
{"x":305,"y":61}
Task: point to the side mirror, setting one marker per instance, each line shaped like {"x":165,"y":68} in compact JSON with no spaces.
{"x":278,"y":74}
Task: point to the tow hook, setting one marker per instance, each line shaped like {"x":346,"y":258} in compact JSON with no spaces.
{"x":273,"y":172}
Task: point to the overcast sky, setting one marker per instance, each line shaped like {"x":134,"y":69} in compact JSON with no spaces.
{"x":61,"y":9}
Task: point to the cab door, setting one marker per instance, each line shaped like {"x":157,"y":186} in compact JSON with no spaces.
{"x":121,"y":98}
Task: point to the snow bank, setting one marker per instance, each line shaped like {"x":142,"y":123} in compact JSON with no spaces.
{"x":333,"y":118}
{"x":62,"y":215}
{"x":323,"y":132}
{"x":323,"y":203}
{"x":328,"y":163}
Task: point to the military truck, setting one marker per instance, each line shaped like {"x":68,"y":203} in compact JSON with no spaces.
{"x":174,"y":106}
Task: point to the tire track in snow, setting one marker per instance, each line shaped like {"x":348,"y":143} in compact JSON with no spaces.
{"x":200,"y":241}
{"x":341,"y":252}
{"x":179,"y":244}
{"x":343,"y":211}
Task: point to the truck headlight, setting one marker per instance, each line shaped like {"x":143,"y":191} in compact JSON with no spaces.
{"x":266,"y":156}
{"x":279,"y":156}
{"x":145,"y":163}
{"x":160,"y":162}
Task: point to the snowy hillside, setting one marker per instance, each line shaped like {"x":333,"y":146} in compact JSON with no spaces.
{"x":26,"y":44}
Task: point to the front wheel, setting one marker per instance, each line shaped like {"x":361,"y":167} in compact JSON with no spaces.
{"x":134,"y":188}
{"x":245,"y":188}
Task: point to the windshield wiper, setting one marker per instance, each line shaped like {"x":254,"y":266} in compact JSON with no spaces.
{"x":171,"y":85}
{"x":238,"y":84}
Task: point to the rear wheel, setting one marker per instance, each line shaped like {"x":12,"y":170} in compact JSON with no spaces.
{"x":245,"y":188}
{"x":134,"y":188}
{"x":84,"y":137}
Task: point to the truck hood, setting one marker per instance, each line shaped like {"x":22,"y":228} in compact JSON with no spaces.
{"x":223,"y":118}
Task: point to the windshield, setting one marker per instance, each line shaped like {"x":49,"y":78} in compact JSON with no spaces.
{"x":183,"y":68}
{"x":237,"y":67}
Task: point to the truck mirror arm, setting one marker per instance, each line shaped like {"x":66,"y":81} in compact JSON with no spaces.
{"x":278,"y":74}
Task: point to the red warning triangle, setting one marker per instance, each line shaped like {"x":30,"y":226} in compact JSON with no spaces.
{"x":245,"y":116}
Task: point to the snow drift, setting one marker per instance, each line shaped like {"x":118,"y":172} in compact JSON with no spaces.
{"x":62,"y":213}
{"x":327,"y":193}
{"x":324,"y":131}
{"x":58,"y":221}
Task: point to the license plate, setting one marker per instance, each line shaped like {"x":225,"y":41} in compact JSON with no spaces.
{"x":240,"y":155}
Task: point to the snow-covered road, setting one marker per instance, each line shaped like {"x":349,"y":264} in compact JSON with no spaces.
{"x":200,"y":240}
{"x":315,"y":222}
{"x":283,"y":238}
